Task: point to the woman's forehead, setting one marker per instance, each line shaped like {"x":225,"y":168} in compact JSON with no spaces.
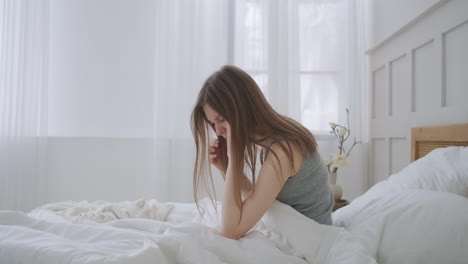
{"x":210,"y":113}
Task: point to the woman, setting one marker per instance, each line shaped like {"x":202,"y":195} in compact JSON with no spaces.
{"x":232,"y":104}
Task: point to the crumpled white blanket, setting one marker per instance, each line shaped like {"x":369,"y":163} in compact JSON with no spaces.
{"x":282,"y":236}
{"x":300,"y":235}
{"x":102,"y":211}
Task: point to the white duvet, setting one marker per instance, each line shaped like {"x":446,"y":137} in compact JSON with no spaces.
{"x":282,"y":236}
{"x":419,"y":215}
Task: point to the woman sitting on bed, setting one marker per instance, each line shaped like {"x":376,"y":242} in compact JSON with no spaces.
{"x":232,"y":104}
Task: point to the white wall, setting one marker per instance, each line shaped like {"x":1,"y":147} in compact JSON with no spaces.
{"x":418,"y":77}
{"x":388,"y":16}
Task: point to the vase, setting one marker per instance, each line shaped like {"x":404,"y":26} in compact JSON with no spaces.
{"x":335,"y":188}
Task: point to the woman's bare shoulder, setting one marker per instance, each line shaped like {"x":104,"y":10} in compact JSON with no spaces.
{"x":284,"y":150}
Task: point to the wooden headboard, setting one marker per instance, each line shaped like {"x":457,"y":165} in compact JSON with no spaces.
{"x":425,"y":139}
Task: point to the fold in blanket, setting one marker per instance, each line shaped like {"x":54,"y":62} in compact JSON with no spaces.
{"x":102,"y":211}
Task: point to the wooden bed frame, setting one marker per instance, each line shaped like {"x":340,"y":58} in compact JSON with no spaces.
{"x":425,"y":139}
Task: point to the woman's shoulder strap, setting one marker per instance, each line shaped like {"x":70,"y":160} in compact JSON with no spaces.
{"x":262,"y":154}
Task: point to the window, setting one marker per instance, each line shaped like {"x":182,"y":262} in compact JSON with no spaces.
{"x":320,"y":31}
{"x":313,"y":53}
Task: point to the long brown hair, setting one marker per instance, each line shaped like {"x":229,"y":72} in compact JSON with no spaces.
{"x":233,"y":94}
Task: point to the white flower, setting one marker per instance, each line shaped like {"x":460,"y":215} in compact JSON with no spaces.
{"x":340,"y":161}
{"x":342,"y":132}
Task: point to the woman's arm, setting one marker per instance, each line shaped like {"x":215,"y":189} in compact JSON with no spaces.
{"x":237,"y":221}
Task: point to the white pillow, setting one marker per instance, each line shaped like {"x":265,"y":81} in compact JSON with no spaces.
{"x":411,"y":226}
{"x":443,"y":169}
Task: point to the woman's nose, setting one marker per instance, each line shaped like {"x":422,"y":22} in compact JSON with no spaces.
{"x":219,"y":129}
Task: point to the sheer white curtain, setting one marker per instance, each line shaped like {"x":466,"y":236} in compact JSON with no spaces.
{"x":305,"y":56}
{"x":191,"y":43}
{"x":302,"y":53}
{"x":23,"y":104}
{"x":267,"y":46}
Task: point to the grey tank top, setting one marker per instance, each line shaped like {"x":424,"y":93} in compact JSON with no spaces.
{"x":308,"y":191}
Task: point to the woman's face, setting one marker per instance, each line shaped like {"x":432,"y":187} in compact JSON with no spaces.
{"x":216,"y":120}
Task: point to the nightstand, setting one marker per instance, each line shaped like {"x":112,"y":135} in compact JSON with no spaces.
{"x":338,"y":204}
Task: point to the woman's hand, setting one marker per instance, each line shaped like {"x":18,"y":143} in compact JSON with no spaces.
{"x":228,"y":140}
{"x":215,"y":155}
{"x":220,"y":150}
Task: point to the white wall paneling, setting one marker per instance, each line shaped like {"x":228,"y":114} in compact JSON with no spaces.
{"x":379,"y":88}
{"x":397,"y":147}
{"x":379,"y":156}
{"x":455,"y":65}
{"x":418,"y":77}
{"x":424,"y":77}
{"x":389,"y":18}
{"x":399,"y":99}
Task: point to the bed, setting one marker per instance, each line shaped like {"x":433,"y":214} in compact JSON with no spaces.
{"x":418,"y":215}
